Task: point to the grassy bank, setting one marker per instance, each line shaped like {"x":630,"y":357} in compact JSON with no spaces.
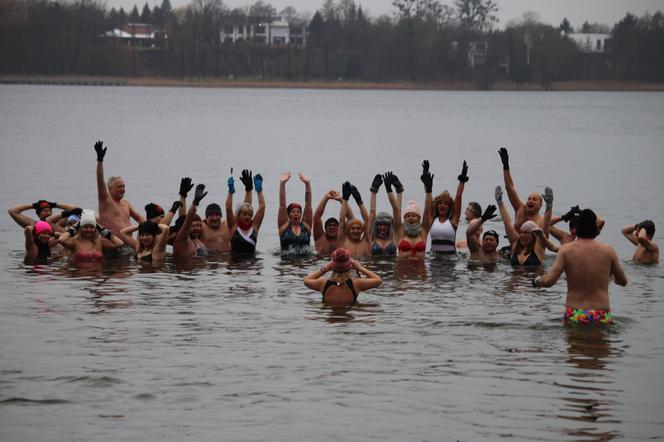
{"x":339,"y":84}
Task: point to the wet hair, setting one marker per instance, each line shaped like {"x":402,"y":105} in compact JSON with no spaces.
{"x":331,"y":220}
{"x":446,"y":198}
{"x":475,"y":208}
{"x":649,"y":226}
{"x":586,"y":225}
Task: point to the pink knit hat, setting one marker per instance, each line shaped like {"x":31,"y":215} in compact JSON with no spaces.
{"x":341,"y":260}
{"x":412,"y":208}
{"x":529,"y":226}
{"x":42,"y":226}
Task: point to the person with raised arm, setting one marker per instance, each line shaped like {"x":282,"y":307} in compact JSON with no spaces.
{"x":531,"y":206}
{"x":447,"y":214}
{"x":44,"y":210}
{"x":114,"y":210}
{"x":293,"y":222}
{"x":354,"y":234}
{"x":151,"y":243}
{"x":382,"y":223}
{"x":187,"y":242}
{"x":589,"y":267}
{"x":486,"y":250}
{"x":88,"y":242}
{"x":341,"y":289}
{"x":570,"y":217}
{"x":473,"y":211}
{"x":216,"y":232}
{"x":243,"y":225}
{"x":529,"y":242}
{"x":326,"y":236}
{"x":411,"y":233}
{"x":641,"y":235}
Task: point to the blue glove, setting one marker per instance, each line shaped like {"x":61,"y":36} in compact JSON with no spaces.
{"x":258,"y":183}
{"x":231,"y":185}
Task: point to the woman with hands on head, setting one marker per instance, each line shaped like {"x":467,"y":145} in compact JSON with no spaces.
{"x":243,"y":225}
{"x":40,"y":240}
{"x":341,"y":289}
{"x":295,"y":223}
{"x":354,"y":234}
{"x":88,"y":242}
{"x":151,"y":243}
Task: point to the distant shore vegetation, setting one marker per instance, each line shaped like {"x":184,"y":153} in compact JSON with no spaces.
{"x":424,"y":42}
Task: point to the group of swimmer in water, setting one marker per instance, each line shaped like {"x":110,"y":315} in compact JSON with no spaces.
{"x":88,"y":237}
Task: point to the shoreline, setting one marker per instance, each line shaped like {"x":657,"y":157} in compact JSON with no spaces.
{"x":222,"y":82}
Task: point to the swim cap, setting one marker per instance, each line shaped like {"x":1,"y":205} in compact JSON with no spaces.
{"x":148,"y":228}
{"x":88,"y":218}
{"x":492,"y":233}
{"x":213,"y":209}
{"x":153,"y":210}
{"x":586,"y":225}
{"x":42,"y":226}
{"x":341,"y":260}
{"x":331,"y":220}
{"x":529,"y":226}
{"x":292,"y":206}
{"x":412,"y":208}
{"x":73,"y":219}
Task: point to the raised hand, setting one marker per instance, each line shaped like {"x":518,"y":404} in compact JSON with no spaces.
{"x":504,"y":157}
{"x":284,"y":177}
{"x":305,"y":179}
{"x":185,"y":186}
{"x":396,"y":183}
{"x":258,"y":182}
{"x":489,"y":212}
{"x":464,"y":173}
{"x":199,"y":194}
{"x":346,"y":190}
{"x":387,"y":179}
{"x":231,"y":185}
{"x":247,"y":180}
{"x":426,"y":177}
{"x":176,"y":205}
{"x":548,"y":197}
{"x":498,"y":194}
{"x":375,"y":184}
{"x":569,"y":215}
{"x":101,"y":150}
{"x":356,"y":195}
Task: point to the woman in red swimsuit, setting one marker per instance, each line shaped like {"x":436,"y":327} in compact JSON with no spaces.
{"x":87,"y":244}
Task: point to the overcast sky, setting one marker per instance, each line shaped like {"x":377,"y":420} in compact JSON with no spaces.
{"x":550,"y":11}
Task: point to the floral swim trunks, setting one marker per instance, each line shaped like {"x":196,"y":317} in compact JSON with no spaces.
{"x":586,"y":316}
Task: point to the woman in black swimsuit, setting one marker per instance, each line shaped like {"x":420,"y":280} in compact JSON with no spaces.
{"x":243,"y":225}
{"x":341,"y":289}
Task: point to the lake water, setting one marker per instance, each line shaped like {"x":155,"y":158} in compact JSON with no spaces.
{"x":451,"y":350}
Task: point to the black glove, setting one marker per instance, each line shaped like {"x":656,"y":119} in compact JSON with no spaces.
{"x":185,"y":186}
{"x":101,"y":150}
{"x":489,"y":212}
{"x":356,"y":195}
{"x":375,"y":184}
{"x":569,"y":215}
{"x":199,"y":194}
{"x":396,"y":183}
{"x":247,"y":180}
{"x":464,"y":173}
{"x":176,"y":205}
{"x":426,"y":177}
{"x":67,"y":213}
{"x":387,"y":178}
{"x":104,"y":232}
{"x":52,"y":205}
{"x":37,"y":205}
{"x":345,"y":190}
{"x":505,"y":158}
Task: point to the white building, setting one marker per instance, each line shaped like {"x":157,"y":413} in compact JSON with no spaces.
{"x":590,"y":43}
{"x":279,"y":32}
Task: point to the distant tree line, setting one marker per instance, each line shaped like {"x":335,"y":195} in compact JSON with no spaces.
{"x":424,"y":40}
